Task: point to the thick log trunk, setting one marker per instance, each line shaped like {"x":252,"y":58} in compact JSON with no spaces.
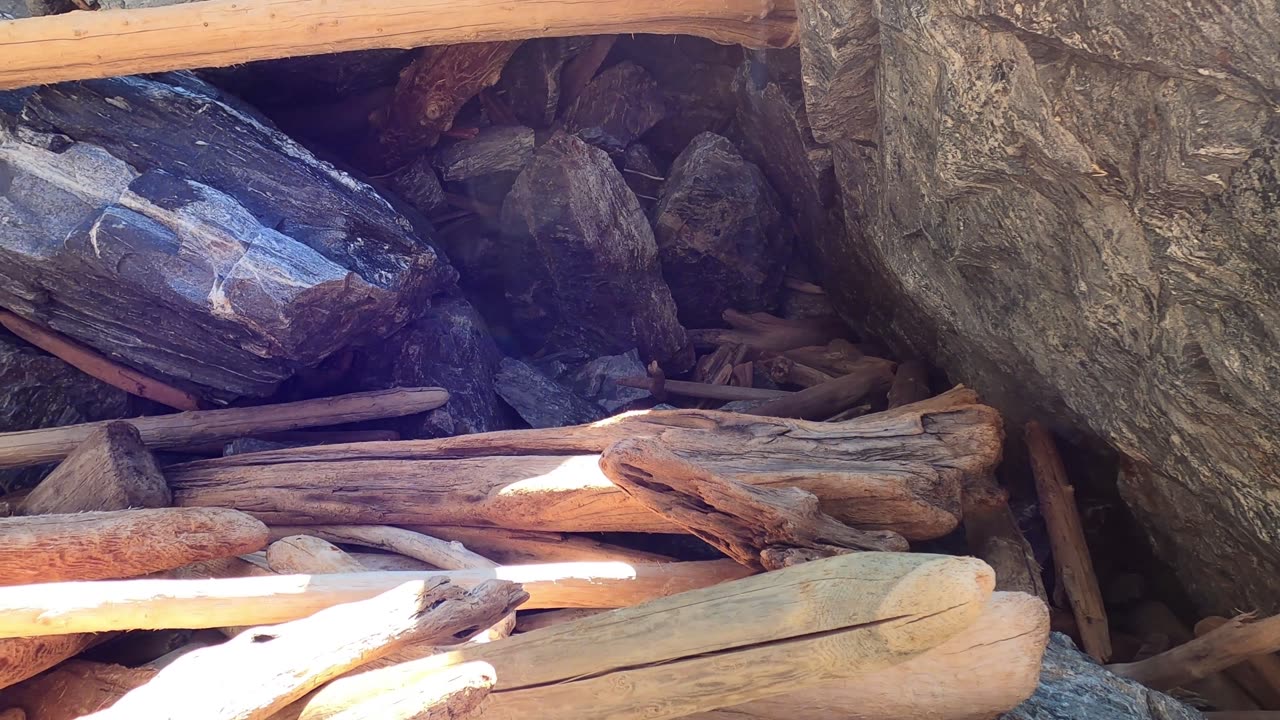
{"x":1232,"y":643}
{"x":33,"y":447}
{"x":993,"y":535}
{"x":110,"y":470}
{"x":60,"y":608}
{"x":737,"y":642}
{"x":453,"y":693}
{"x":871,"y":376}
{"x":915,"y":490}
{"x":763,"y":332}
{"x":308,"y":555}
{"x":121,"y":543}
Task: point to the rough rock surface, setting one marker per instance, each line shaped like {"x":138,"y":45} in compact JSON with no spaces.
{"x":418,"y":184}
{"x":541,"y":401}
{"x":721,"y":236}
{"x":178,"y":234}
{"x":582,"y":265}
{"x":38,"y":390}
{"x":616,"y":108}
{"x":448,"y":347}
{"x":1072,"y":207}
{"x":498,"y":149}
{"x":1073,"y":687}
{"x":530,"y":82}
{"x":596,"y":379}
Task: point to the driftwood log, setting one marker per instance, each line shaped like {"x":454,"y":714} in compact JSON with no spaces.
{"x":74,"y":689}
{"x":453,"y":693}
{"x":518,"y":479}
{"x":769,"y":333}
{"x":1234,"y":642}
{"x":992,"y":534}
{"x":110,"y":470}
{"x":60,"y":608}
{"x":529,"y":547}
{"x":121,"y":543}
{"x":307,"y":555}
{"x":737,"y":642}
{"x":1259,"y":675}
{"x":33,"y":447}
{"x":819,"y":402}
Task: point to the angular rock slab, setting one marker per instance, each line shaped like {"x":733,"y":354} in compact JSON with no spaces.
{"x":581,"y":266}
{"x":539,"y":400}
{"x":616,"y":108}
{"x":1073,"y":208}
{"x":722,"y":239}
{"x":178,"y":234}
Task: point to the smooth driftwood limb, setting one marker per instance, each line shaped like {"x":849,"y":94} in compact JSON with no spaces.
{"x":389,"y":561}
{"x":984,"y":671}
{"x":1159,"y":627}
{"x":910,"y":384}
{"x":836,"y":358}
{"x":217,"y":33}
{"x":110,"y":470}
{"x":453,"y":693}
{"x":1236,"y":641}
{"x":307,"y":555}
{"x":759,"y":527}
{"x":705,"y":390}
{"x":1259,"y":675}
{"x":33,"y":447}
{"x":120,"y":543}
{"x":723,"y":645}
{"x":522,"y":481}
{"x":93,"y":364}
{"x":1066,"y":538}
{"x":530,"y":621}
{"x":820,"y":402}
{"x":764,"y":332}
{"x":444,"y":554}
{"x":529,"y":547}
{"x":993,"y":535}
{"x":264,"y":669}
{"x":74,"y":689}
{"x":58,"y":608}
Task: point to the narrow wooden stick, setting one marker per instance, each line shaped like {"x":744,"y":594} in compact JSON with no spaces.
{"x":1259,"y":675}
{"x":218,"y":33}
{"x":33,"y":447}
{"x":58,"y":608}
{"x":1232,"y":643}
{"x":264,"y":669}
{"x":819,"y":402}
{"x":443,"y":554}
{"x":530,"y":621}
{"x":121,"y":543}
{"x":1066,"y":537}
{"x":95,"y":365}
{"x":530,"y":547}
{"x":706,"y":390}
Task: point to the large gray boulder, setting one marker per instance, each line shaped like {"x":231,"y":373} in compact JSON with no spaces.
{"x":1073,"y":207}
{"x":180,"y":234}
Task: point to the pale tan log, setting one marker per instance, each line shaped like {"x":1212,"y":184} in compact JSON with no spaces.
{"x":120,"y":543}
{"x":217,"y":33}
{"x":74,"y":689}
{"x":23,"y":657}
{"x":453,"y":693}
{"x":708,"y":391}
{"x":110,"y":470}
{"x":389,"y":561}
{"x":1241,"y":638}
{"x":1066,"y":538}
{"x":722,"y":645}
{"x":530,"y":621}
{"x":835,"y":358}
{"x":992,"y":533}
{"x":444,"y":554}
{"x":530,"y":547}
{"x":915,"y":490}
{"x":871,"y":376}
{"x":264,"y":669}
{"x":307,"y":554}
{"x":33,"y":447}
{"x":60,"y":608}
{"x":1259,"y":675}
{"x":755,"y":526}
{"x":979,"y":674}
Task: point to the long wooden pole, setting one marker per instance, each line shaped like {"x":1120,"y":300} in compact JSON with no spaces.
{"x":217,"y":33}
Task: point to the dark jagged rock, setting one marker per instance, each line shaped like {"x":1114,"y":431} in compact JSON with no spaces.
{"x":38,"y":391}
{"x":617,"y":107}
{"x":448,"y":347}
{"x":1073,"y":687}
{"x":722,"y":240}
{"x":541,"y":401}
{"x":1072,"y":208}
{"x":183,"y":237}
{"x":498,"y":149}
{"x":596,"y":379}
{"x":530,"y":82}
{"x":307,"y":80}
{"x":418,"y":184}
{"x":582,"y":266}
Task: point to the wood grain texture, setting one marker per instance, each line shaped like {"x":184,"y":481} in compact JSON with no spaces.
{"x":309,"y":555}
{"x":120,"y":543}
{"x":443,"y":554}
{"x":111,"y":470}
{"x":737,"y":641}
{"x":24,"y":657}
{"x":264,"y":669}
{"x":74,"y":689}
{"x":530,"y":547}
{"x":1234,"y":642}
{"x":453,"y":693}
{"x":33,"y":447}
{"x":871,"y":376}
{"x":144,"y":604}
{"x":1259,"y":675}
{"x":217,"y":33}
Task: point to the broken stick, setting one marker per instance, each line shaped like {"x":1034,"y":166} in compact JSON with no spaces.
{"x":1236,"y":641}
{"x":110,"y":470}
{"x":1259,"y":675}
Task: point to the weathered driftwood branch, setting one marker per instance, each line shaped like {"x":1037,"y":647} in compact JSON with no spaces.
{"x":993,"y":535}
{"x":764,"y":332}
{"x":910,"y":384}
{"x":529,"y":547}
{"x":264,"y":669}
{"x":218,"y":33}
{"x":734,"y":643}
{"x":32,"y":447}
{"x":444,"y":554}
{"x":530,"y":621}
{"x":1066,"y":537}
{"x":74,"y":689}
{"x":1259,"y":675}
{"x":1161,"y":629}
{"x":110,"y":470}
{"x":835,"y":358}
{"x":786,"y":371}
{"x":452,"y":693}
{"x":121,"y":543}
{"x":307,"y":555}
{"x":708,"y":391}
{"x":24,"y":657}
{"x":95,"y":365}
{"x":762,"y":528}
{"x":1232,"y":643}
{"x":985,"y":670}
{"x":915,"y":490}
{"x":872,"y":375}
{"x":58,"y":608}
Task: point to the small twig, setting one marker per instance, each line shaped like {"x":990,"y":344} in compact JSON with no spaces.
{"x":647,"y":176}
{"x":727,"y":393}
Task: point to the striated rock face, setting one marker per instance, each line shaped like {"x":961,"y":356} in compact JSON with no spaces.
{"x":721,"y":235}
{"x":582,"y":265}
{"x":616,"y":108}
{"x":177,"y":233}
{"x":1073,"y":207}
